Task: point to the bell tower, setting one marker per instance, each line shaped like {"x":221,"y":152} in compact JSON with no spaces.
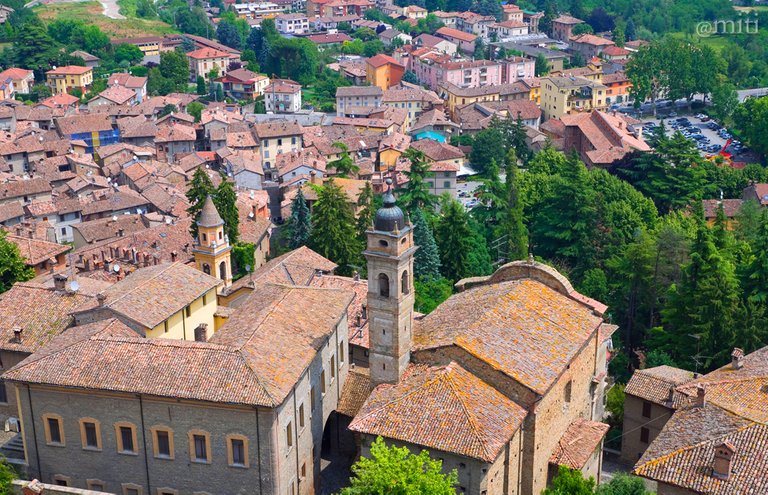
{"x":389,"y":253}
{"x":212,"y":249}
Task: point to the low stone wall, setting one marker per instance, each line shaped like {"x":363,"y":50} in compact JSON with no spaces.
{"x":23,"y":487}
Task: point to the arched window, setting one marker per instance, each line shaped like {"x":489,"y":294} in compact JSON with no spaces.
{"x":223,"y":270}
{"x":404,"y":286}
{"x":383,"y":285}
{"x":206,"y":268}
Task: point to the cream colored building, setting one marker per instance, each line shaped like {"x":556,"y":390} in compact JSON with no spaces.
{"x":63,"y":79}
{"x":565,"y":95}
{"x":276,"y":138}
{"x":204,"y":60}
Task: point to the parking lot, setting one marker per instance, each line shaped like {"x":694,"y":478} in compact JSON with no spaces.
{"x":708,"y":135}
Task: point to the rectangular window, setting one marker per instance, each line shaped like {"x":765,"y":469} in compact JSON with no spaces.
{"x":3,"y":392}
{"x":646,"y":409}
{"x":205,"y":299}
{"x":289,"y":435}
{"x":91,"y":435}
{"x":333,"y":368}
{"x":54,"y":429}
{"x":301,"y":416}
{"x":312,"y":395}
{"x":644,"y":434}
{"x":201,"y":450}
{"x":322,"y":382}
{"x":447,"y":184}
{"x":188,"y":310}
{"x":238,"y":452}
{"x":341,"y":355}
{"x":126,"y":437}
{"x":163,"y":443}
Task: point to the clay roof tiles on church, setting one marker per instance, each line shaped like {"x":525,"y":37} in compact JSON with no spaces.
{"x":523,"y":328}
{"x":654,"y":384}
{"x":578,"y":443}
{"x":356,"y":390}
{"x":445,"y":408}
{"x":209,"y":215}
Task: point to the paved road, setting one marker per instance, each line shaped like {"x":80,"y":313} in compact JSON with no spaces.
{"x":745,"y":93}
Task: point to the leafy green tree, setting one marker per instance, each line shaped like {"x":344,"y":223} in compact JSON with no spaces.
{"x":13,"y":268}
{"x":630,"y":32}
{"x":489,"y":145}
{"x":35,"y":49}
{"x":300,"y":223}
{"x":200,"y":187}
{"x":344,"y":166}
{"x":623,"y":484}
{"x":513,"y":225}
{"x":542,"y":65}
{"x":201,"y":86}
{"x":242,"y":256}
{"x":725,"y":100}
{"x":416,"y":194}
{"x":583,"y":28}
{"x":365,"y":211}
{"x":7,"y":475}
{"x":225,"y":200}
{"x":395,"y":470}
{"x":430,"y":293}
{"x":645,"y":70}
{"x":656,"y":357}
{"x":174,"y":66}
{"x":128,"y":53}
{"x":751,"y":119}
{"x":426,"y":263}
{"x":492,"y":202}
{"x":479,"y":261}
{"x":570,"y":482}
{"x":195,"y":109}
{"x":453,"y":239}
{"x":333,"y":228}
{"x":228,"y":35}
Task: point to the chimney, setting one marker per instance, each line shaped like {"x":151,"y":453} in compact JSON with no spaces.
{"x":701,"y":395}
{"x":737,"y":358}
{"x":59,"y":282}
{"x":721,"y":467}
{"x":253,"y":209}
{"x":671,"y":395}
{"x":30,"y":234}
{"x":101,"y":298}
{"x":174,"y":255}
{"x":120,"y":232}
{"x":356,"y":276}
{"x":17,"y":331}
{"x":34,"y":487}
{"x":365,"y":312}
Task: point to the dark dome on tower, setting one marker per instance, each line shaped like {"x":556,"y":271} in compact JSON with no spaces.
{"x":389,"y":217}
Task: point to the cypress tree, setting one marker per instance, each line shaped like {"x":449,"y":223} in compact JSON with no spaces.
{"x":333,"y":228}
{"x":427,"y":258}
{"x":453,"y":238}
{"x":415,"y":193}
{"x":200,"y":187}
{"x":225,"y":200}
{"x":755,"y":278}
{"x":300,"y":224}
{"x":365,"y":211}
{"x":513,"y":225}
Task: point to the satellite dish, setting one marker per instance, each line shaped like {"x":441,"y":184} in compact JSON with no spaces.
{"x":167,"y":221}
{"x":115,"y":268}
{"x":74,"y":285}
{"x":250,"y":214}
{"x":248,"y":268}
{"x":114,"y":218}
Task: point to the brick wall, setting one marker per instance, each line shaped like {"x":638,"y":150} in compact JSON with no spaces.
{"x":631,"y":445}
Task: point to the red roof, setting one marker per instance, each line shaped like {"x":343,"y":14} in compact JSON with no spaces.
{"x":203,"y":53}
{"x":456,"y":34}
{"x":69,"y":69}
{"x":381,"y":59}
{"x":615,"y":51}
{"x":320,"y":39}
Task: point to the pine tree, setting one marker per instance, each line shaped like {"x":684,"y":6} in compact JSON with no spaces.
{"x":201,"y":89}
{"x":630,"y":33}
{"x":513,"y":225}
{"x":453,"y":235}
{"x":333,"y":228}
{"x":365,"y":211}
{"x":300,"y":224}
{"x":225,"y":200}
{"x":415,"y":193}
{"x":426,"y":263}
{"x":13,"y":267}
{"x":200,"y":187}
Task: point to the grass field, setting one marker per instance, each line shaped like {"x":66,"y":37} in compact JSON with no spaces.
{"x":715,"y":42}
{"x":756,"y":8}
{"x":92,"y":13}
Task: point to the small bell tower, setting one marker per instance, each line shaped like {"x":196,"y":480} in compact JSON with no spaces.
{"x":389,"y":254}
{"x":212,"y":249}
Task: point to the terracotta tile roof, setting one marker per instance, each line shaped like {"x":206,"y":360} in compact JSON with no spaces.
{"x":175,"y":133}
{"x":437,"y":151}
{"x":591,"y":39}
{"x":204,"y":53}
{"x":59,"y":100}
{"x":731,"y":207}
{"x":296,"y":267}
{"x":523,"y":328}
{"x":117,"y":94}
{"x":282,"y":87}
{"x":456,"y":34}
{"x":346,"y":91}
{"x":358,"y":326}
{"x":114,"y":201}
{"x":325,"y":39}
{"x":75,"y":124}
{"x":382,"y":59}
{"x":127,"y":80}
{"x":241,"y":140}
{"x":11,"y":210}
{"x":40,"y":311}
{"x":168,"y":288}
{"x":277,"y":341}
{"x":654,"y":384}
{"x":567,"y":19}
{"x":36,"y":251}
{"x":616,"y":77}
{"x":578,"y":443}
{"x":287,"y":162}
{"x":608,"y":134}
{"x":69,"y":70}
{"x":356,"y":390}
{"x":277,"y":129}
{"x":28,"y":187}
{"x":615,"y":51}
{"x":16,"y":73}
{"x":475,"y":420}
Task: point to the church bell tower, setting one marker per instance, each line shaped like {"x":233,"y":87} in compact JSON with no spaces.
{"x":389,"y":253}
{"x":212,"y":250}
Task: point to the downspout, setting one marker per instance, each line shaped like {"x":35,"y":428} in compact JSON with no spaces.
{"x":144,"y":441}
{"x":184,"y":323}
{"x":520,"y":459}
{"x":258,"y":451}
{"x":34,"y":431}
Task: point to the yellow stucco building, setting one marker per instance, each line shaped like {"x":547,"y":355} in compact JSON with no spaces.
{"x":564,"y":95}
{"x":212,"y":251}
{"x":63,"y":79}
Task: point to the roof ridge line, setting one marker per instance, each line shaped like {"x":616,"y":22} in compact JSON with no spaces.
{"x":445,"y":373}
